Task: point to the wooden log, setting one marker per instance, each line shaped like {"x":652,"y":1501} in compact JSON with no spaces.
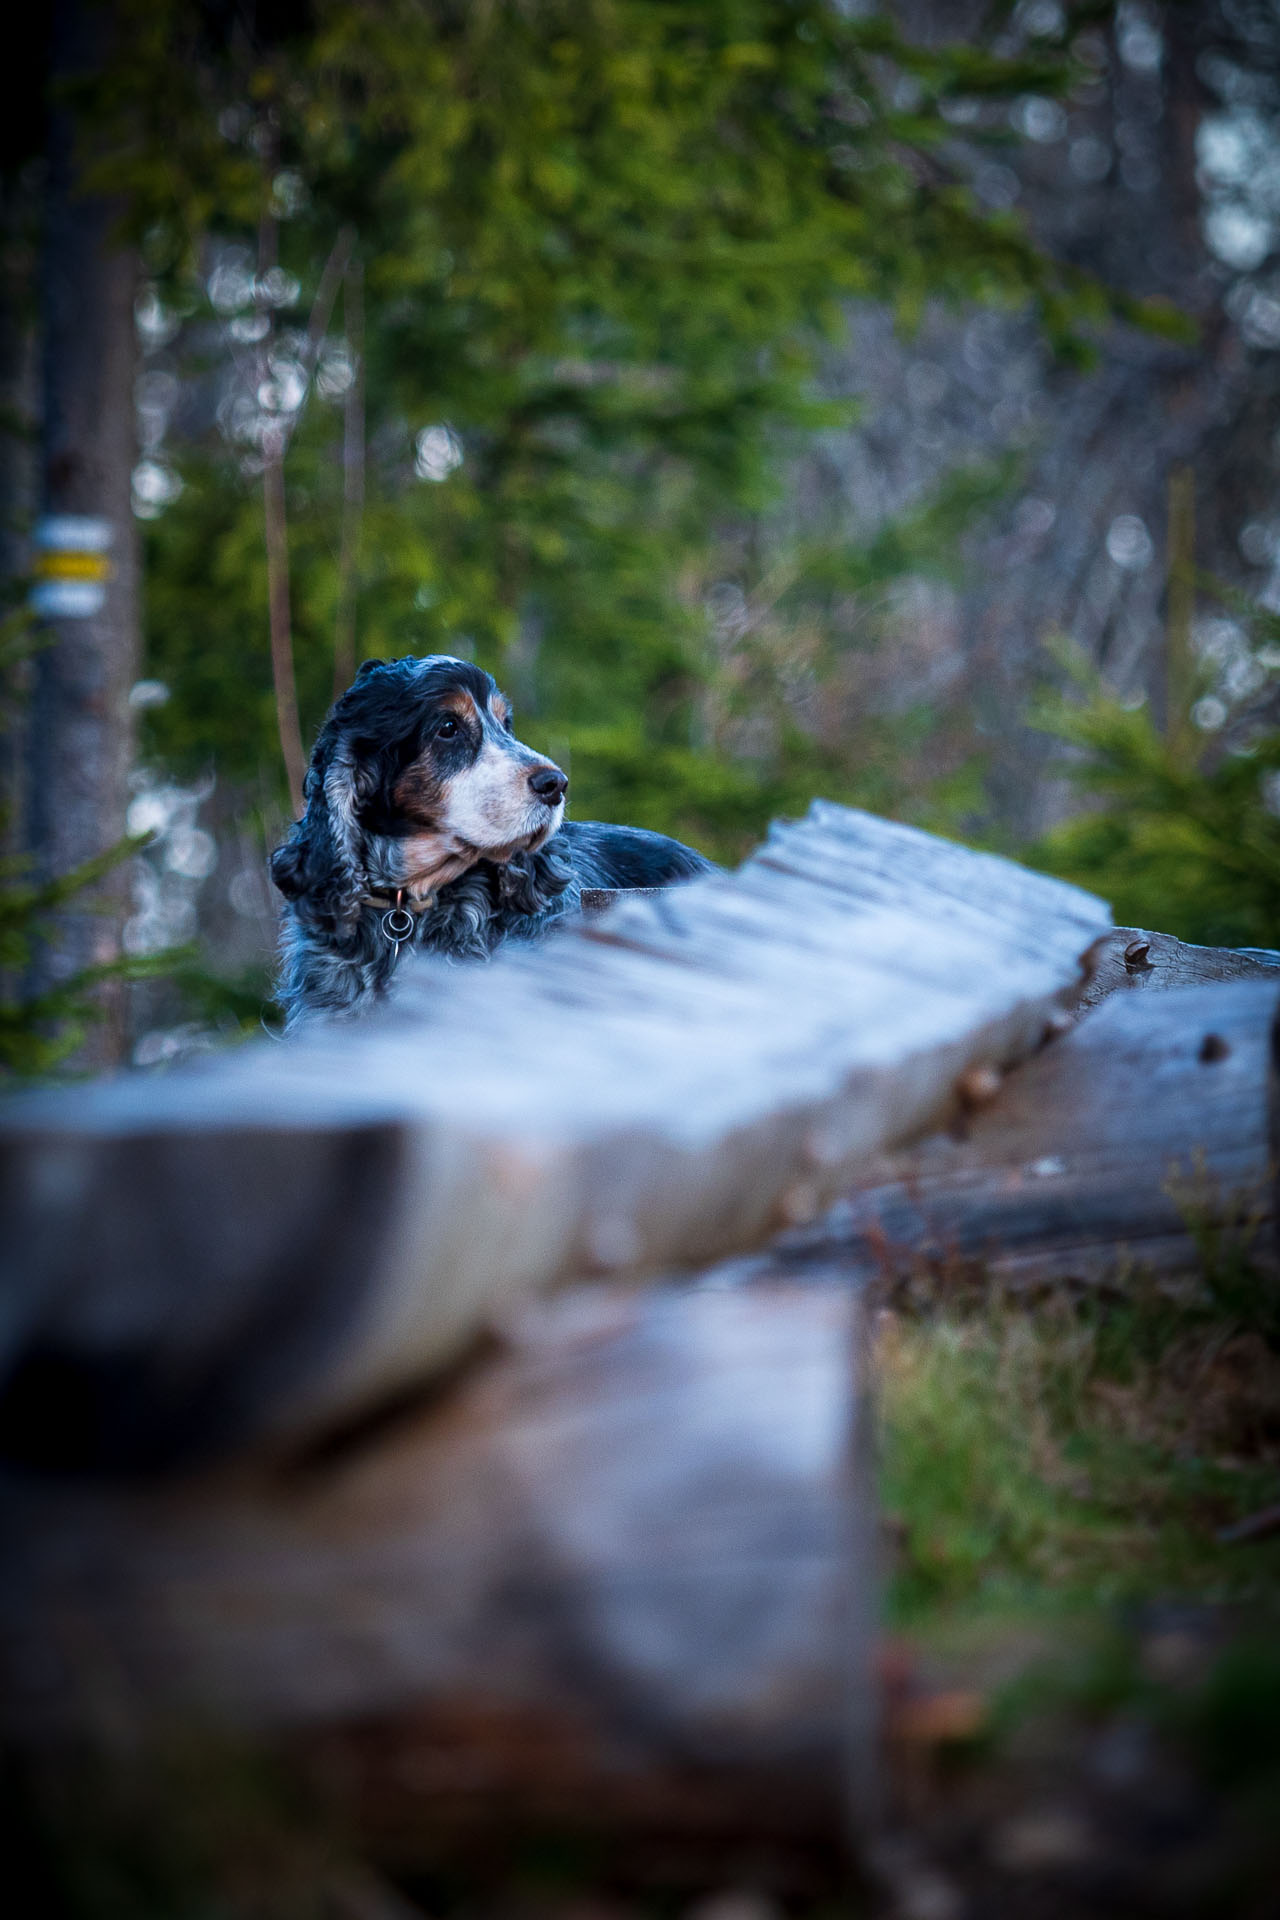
{"x":617,"y":1574}
{"x":1134,"y":959}
{"x":1115,"y":1148}
{"x":264,"y":1243}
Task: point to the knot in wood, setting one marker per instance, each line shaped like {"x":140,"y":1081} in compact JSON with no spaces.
{"x":1137,"y":957}
{"x":1058,"y":1023}
{"x":978,"y":1086}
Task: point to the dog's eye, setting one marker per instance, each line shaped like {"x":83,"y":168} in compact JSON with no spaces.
{"x":446,"y":729}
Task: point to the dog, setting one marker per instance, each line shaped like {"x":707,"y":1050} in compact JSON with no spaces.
{"x":429,"y":826}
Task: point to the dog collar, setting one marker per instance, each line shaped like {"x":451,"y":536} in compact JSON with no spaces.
{"x":401,"y":901}
{"x":398,"y":915}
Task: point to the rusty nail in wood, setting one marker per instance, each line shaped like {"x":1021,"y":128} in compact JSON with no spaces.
{"x":1213,"y":1047}
{"x":977,"y":1086}
{"x":1135,"y":956}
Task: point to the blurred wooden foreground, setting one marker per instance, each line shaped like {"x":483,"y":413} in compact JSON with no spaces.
{"x":606,"y":1554}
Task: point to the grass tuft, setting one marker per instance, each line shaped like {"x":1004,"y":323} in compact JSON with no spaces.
{"x":1075,"y":1451}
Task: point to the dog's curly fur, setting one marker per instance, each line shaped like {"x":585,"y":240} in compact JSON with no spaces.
{"x":417,"y":782}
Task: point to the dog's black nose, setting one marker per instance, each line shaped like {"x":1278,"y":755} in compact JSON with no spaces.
{"x":549,"y":784}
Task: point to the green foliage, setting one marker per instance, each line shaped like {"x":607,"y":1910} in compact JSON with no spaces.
{"x":39,"y":1030}
{"x":606,"y":244}
{"x":1228,"y":1230}
{"x":611,"y":673}
{"x":1069,"y":1454}
{"x":1181,"y":835}
{"x":234,"y":1006}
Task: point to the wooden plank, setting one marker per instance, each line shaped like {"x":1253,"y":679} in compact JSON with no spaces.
{"x":1136,"y":960}
{"x":1143,"y":1122}
{"x":613,"y":1574}
{"x":660,"y":1084}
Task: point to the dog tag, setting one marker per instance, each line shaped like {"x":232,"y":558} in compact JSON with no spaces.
{"x":397,"y":924}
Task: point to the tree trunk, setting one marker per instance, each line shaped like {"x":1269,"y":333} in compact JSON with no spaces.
{"x":19,"y":404}
{"x":80,"y":736}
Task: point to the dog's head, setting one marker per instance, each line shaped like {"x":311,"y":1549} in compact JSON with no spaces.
{"x":416,"y":776}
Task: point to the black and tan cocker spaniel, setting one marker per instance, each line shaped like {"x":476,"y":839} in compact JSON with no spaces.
{"x":428,"y":825}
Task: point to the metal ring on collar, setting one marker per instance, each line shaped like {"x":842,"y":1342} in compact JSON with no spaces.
{"x":397,"y":924}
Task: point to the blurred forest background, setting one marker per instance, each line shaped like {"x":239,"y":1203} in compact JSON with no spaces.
{"x":779,"y":396}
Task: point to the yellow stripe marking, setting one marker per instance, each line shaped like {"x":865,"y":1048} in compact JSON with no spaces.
{"x":73,"y":566}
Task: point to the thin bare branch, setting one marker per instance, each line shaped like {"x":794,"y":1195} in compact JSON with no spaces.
{"x":274,"y":439}
{"x":1179,"y":658}
{"x":282,"y":670}
{"x":353,"y":463}
{"x":332,"y":277}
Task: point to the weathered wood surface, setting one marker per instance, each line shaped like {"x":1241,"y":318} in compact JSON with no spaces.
{"x":600,"y":899}
{"x":267,"y":1242}
{"x":1139,"y":1127}
{"x":1133,"y":959}
{"x":613,"y":1574}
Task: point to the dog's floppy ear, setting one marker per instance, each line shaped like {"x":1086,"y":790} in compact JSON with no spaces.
{"x":310,"y":873}
{"x":289,"y":867}
{"x":318,"y":867}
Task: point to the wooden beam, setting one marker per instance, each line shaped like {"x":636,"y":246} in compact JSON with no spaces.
{"x":1120,"y":1147}
{"x":618,"y":1574}
{"x":1136,"y":960}
{"x":261,"y":1245}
